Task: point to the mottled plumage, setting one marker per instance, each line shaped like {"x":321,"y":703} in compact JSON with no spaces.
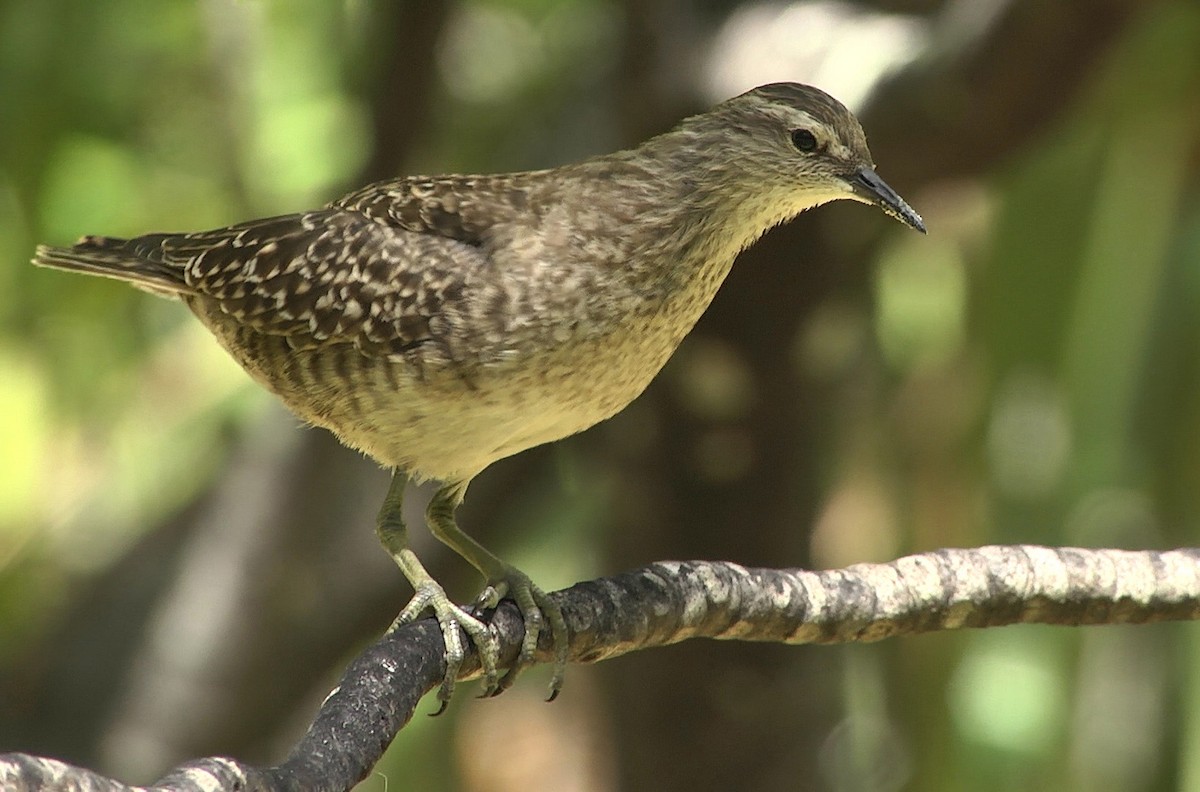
{"x":442,"y":323}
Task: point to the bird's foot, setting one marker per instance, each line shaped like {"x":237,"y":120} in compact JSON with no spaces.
{"x":454,"y":622}
{"x":538,"y":611}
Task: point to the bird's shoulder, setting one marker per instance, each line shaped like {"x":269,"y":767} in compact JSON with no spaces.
{"x":464,"y":208}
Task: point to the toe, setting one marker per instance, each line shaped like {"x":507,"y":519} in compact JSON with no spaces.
{"x":559,"y":638}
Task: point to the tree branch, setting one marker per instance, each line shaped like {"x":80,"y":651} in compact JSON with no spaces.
{"x":668,"y":602}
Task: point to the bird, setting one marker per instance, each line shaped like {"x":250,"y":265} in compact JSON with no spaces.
{"x":439,"y":324}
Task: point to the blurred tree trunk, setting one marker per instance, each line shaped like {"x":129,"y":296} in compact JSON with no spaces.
{"x":742,"y":717}
{"x":733,"y":705}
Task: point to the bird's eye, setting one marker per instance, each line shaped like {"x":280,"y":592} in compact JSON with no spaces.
{"x":804,"y":140}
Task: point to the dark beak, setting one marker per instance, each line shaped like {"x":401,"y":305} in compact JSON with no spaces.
{"x":867,"y":185}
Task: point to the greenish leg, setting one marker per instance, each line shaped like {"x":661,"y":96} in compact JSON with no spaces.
{"x":429,"y":594}
{"x":503,"y":579}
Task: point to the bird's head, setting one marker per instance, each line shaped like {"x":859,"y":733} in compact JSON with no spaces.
{"x":783,"y":148}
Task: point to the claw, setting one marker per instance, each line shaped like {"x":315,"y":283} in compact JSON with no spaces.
{"x":490,"y":597}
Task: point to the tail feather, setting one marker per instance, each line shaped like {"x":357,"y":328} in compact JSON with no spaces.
{"x":109,"y":257}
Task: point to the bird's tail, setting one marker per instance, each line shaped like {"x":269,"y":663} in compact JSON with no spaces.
{"x":122,"y":259}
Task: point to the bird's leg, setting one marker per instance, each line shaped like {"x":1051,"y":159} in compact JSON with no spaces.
{"x":429,"y":594}
{"x":503,"y":579}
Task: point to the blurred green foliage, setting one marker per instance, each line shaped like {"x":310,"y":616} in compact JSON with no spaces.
{"x":1045,"y":334}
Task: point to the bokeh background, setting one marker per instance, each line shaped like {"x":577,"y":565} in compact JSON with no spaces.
{"x":184,"y":569}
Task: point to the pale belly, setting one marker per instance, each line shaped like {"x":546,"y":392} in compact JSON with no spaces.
{"x":432,"y":421}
